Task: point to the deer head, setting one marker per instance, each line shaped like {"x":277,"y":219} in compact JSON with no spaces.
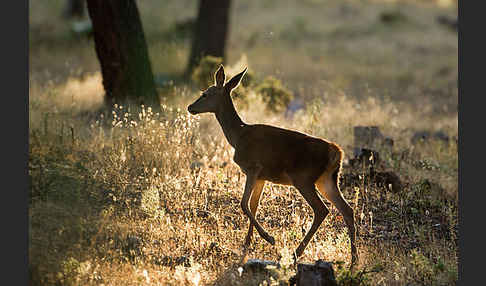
{"x":214,"y":97}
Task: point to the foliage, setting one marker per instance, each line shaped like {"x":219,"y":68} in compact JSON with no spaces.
{"x":348,"y":277}
{"x":141,"y":183}
{"x":427,"y":271}
{"x":203,"y":74}
{"x":274,"y":94}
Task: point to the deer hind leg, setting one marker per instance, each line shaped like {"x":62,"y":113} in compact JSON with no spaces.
{"x":251,"y":180}
{"x":254,"y":200}
{"x":309,"y":192}
{"x":329,"y":187}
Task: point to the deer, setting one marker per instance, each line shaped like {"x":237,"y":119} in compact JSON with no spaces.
{"x":280,"y":156}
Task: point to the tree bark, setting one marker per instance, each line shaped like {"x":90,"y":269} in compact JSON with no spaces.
{"x":122,"y":52}
{"x":210,"y":31}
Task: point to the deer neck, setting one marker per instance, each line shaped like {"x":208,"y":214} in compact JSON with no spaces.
{"x":230,"y":122}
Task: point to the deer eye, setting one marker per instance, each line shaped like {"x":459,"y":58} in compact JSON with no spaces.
{"x":204,"y":95}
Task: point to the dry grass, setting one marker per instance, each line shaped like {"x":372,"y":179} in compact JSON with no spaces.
{"x":136,"y":197}
{"x":169,"y":181}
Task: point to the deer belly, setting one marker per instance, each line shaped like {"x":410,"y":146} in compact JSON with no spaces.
{"x":281,"y":178}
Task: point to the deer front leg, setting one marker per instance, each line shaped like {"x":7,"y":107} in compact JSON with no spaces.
{"x":251,"y":179}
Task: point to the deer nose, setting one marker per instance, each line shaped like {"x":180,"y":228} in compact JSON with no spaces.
{"x":191,"y":111}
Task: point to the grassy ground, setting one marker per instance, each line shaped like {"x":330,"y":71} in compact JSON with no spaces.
{"x":136,"y":197}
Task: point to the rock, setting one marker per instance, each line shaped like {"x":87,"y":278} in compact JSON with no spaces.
{"x":366,"y":136}
{"x":385,"y":179}
{"x":448,"y":22}
{"x":196,"y":165}
{"x":320,"y":273}
{"x":257,"y":265}
{"x":365,"y":156}
{"x":439,"y":135}
{"x":370,"y":137}
{"x":424,"y":136}
{"x":389,"y":180}
{"x":258,"y":272}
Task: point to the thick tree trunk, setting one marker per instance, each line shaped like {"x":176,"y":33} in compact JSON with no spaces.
{"x":210,"y":31}
{"x":122,"y":51}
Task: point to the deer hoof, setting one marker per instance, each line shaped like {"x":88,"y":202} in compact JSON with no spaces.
{"x":271,"y":240}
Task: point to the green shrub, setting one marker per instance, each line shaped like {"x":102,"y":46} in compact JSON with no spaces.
{"x":347,"y":277}
{"x":248,"y":80}
{"x":203,"y":74}
{"x":274,"y":94}
{"x":241,"y":95}
{"x":392,"y":17}
{"x":72,"y":271}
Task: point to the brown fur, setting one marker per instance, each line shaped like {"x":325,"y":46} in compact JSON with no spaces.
{"x":283,"y":153}
{"x":282,"y":156}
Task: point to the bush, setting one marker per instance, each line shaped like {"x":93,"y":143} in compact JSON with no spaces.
{"x":347,"y":277}
{"x":274,"y":94}
{"x":203,"y":74}
{"x":241,"y":95}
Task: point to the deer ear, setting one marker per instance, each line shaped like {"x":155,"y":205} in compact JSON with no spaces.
{"x":219,"y":76}
{"x":234,"y":81}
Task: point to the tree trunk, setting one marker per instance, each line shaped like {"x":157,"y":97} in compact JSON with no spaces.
{"x":210,"y":31}
{"x":122,"y":51}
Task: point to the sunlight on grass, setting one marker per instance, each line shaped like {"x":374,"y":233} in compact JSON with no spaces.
{"x":139,"y":195}
{"x":163,"y":192}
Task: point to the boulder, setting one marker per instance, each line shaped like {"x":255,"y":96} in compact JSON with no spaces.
{"x":448,"y":22}
{"x":257,"y":265}
{"x":366,"y":136}
{"x":370,"y":137}
{"x":424,"y":136}
{"x":388,"y":180}
{"x":320,"y":273}
{"x":366,"y":157}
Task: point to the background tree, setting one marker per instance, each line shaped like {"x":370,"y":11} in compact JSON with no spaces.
{"x":122,"y":52}
{"x":210,"y":31}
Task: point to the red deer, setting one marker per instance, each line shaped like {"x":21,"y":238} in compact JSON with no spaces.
{"x":281,"y":156}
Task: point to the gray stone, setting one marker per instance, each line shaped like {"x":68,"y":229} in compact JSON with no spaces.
{"x":257,"y":265}
{"x":366,"y":136}
{"x":364,"y":156}
{"x":320,"y":273}
{"x":370,"y":137}
{"x":424,"y":136}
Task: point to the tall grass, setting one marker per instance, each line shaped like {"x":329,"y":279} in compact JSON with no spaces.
{"x":152,"y":197}
{"x":139,"y":196}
